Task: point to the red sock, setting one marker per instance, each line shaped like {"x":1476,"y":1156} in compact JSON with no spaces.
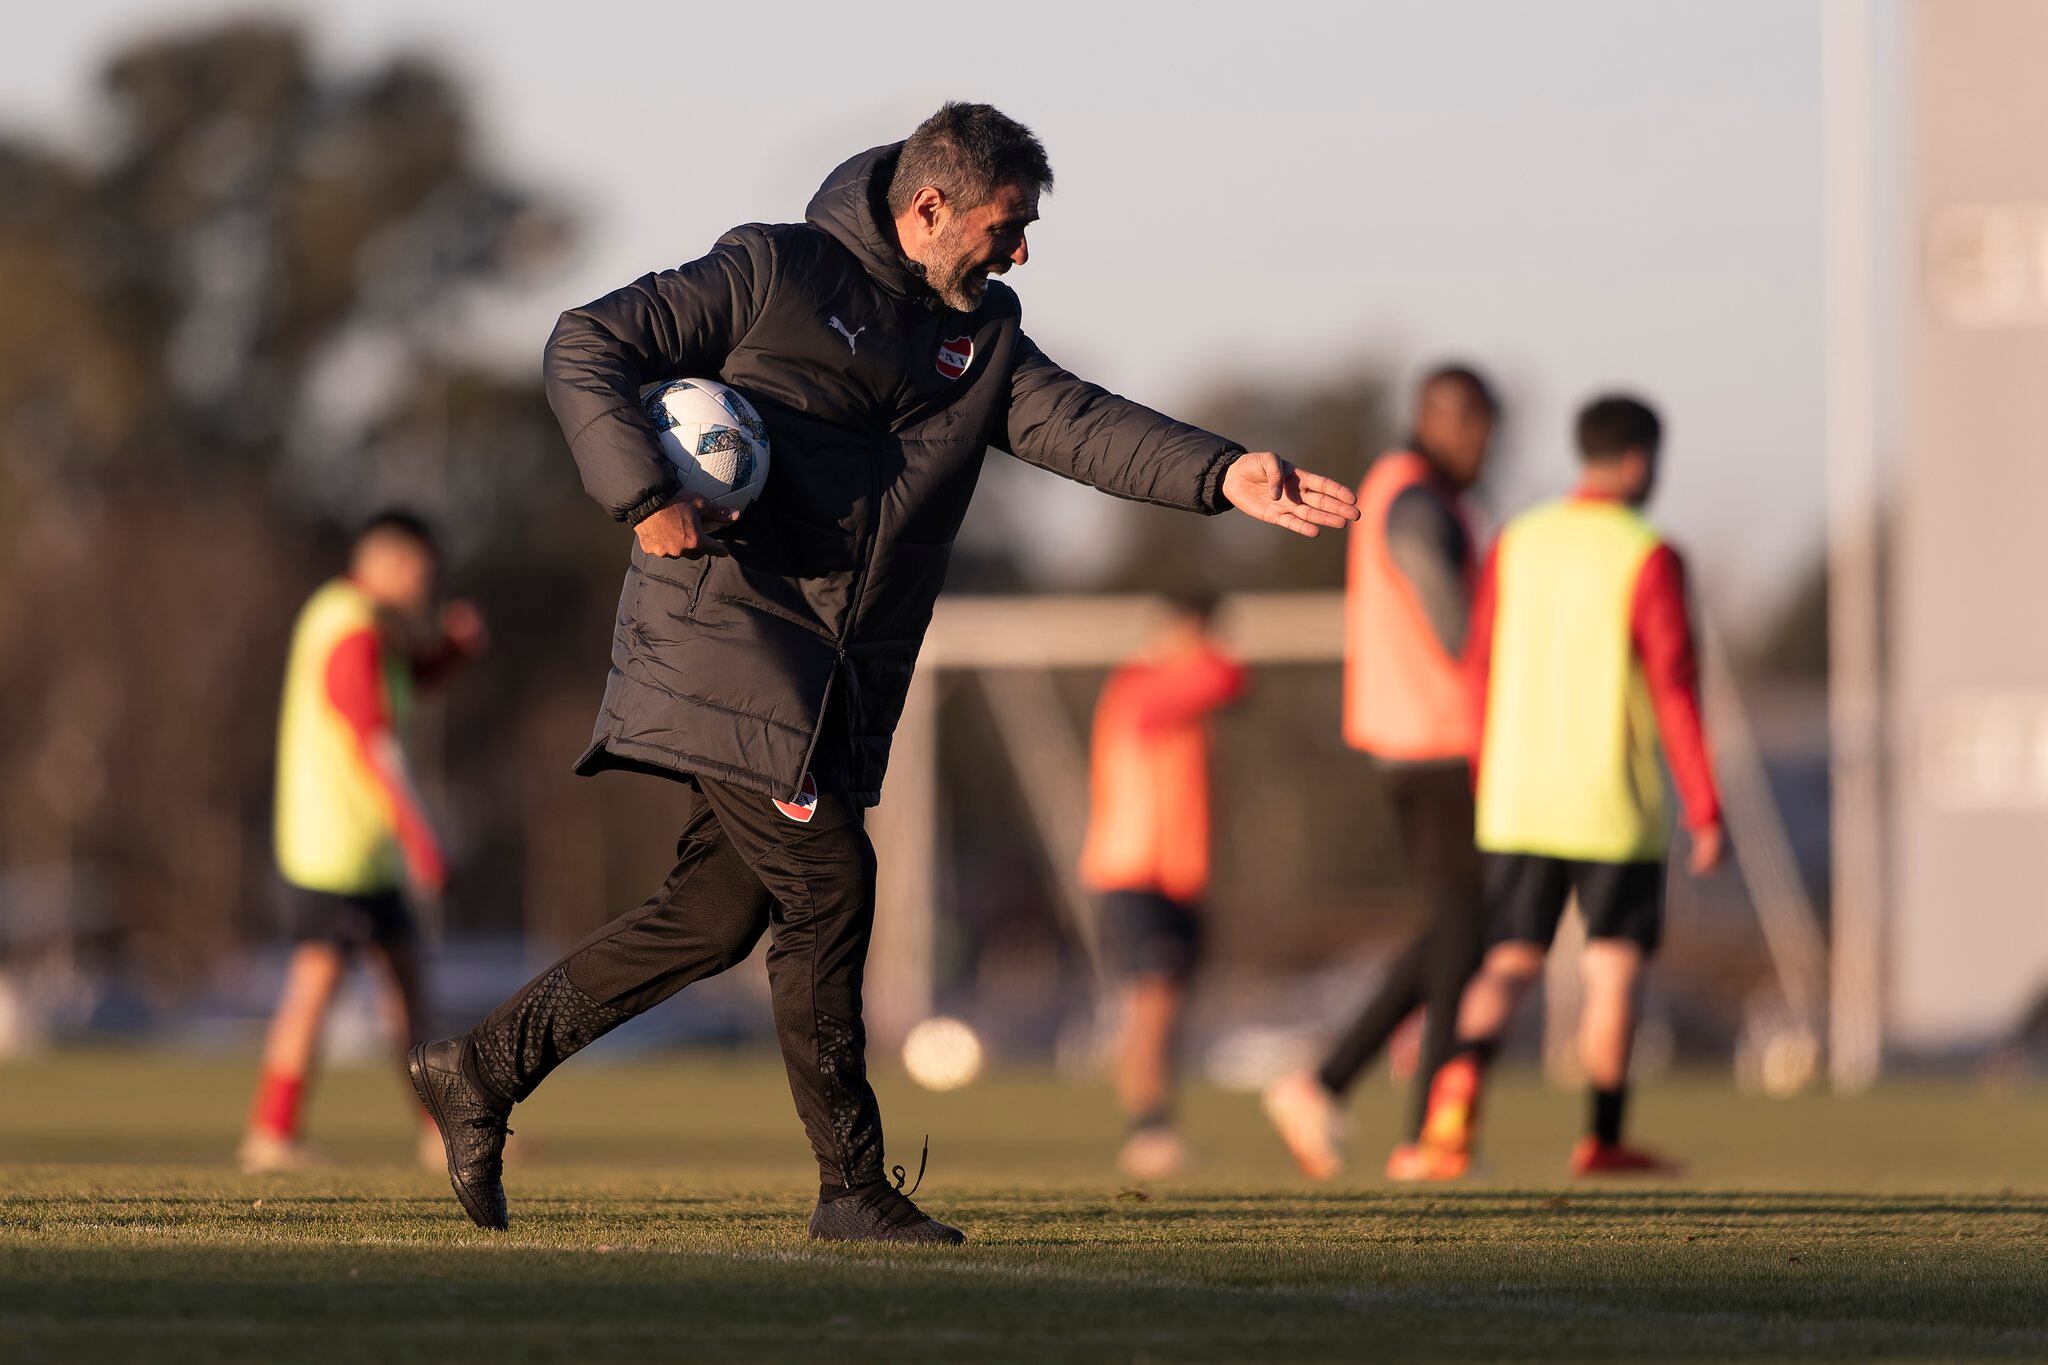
{"x":276,"y":1110}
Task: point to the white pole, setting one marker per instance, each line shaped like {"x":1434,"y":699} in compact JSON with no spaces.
{"x":1855,"y":697}
{"x":901,"y":971}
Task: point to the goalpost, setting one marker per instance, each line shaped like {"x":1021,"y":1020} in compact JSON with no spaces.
{"x":1013,"y":645}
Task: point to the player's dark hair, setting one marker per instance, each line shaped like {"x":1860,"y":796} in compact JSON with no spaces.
{"x":1471,"y":385}
{"x":968,"y":152}
{"x":397,"y":521}
{"x":1613,"y":424}
{"x":1195,"y":601}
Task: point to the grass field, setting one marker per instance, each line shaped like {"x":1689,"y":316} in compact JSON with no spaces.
{"x":659,"y":1216}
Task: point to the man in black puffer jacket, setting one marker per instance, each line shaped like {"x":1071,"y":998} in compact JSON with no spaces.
{"x":765,"y":662}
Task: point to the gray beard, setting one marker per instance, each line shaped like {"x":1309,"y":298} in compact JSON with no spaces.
{"x":960,"y":301}
{"x":959,"y":284}
{"x":963,"y":293}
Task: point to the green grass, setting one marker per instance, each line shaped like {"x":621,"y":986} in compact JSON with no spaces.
{"x":659,"y":1216}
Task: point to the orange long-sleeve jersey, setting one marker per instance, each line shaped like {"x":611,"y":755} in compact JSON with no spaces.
{"x":1148,"y":819}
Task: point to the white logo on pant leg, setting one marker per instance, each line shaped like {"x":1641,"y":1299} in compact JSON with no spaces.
{"x":806,"y":804}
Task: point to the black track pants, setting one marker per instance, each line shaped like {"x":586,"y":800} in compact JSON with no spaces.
{"x":742,"y":868}
{"x":1434,"y":807}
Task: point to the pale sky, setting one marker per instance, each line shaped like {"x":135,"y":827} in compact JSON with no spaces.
{"x":1576,"y":194}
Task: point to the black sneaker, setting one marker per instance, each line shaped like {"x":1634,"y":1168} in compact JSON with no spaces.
{"x":878,"y":1214}
{"x":472,"y":1125}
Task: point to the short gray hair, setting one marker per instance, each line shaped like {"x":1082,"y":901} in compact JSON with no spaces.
{"x":967,"y":152}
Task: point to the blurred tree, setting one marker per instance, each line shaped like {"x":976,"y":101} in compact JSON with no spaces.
{"x":230,"y":331}
{"x":235,"y":328}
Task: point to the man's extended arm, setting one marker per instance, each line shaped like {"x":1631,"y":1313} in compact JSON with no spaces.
{"x":661,"y":326}
{"x":1082,"y":430}
{"x":1061,"y":422}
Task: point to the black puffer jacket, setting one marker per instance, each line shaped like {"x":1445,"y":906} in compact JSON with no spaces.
{"x":724,"y":664}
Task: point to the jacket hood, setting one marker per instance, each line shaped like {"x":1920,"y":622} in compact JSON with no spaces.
{"x":852,"y":207}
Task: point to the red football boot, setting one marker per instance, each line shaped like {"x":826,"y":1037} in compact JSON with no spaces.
{"x":1453,"y":1114}
{"x":1420,"y":1163}
{"x":1594,"y":1157}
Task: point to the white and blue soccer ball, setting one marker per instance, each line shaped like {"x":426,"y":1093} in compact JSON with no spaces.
{"x":713,"y":436}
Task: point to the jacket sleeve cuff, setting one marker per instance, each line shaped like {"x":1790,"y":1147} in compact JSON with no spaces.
{"x":649,"y":505}
{"x":1212,"y":499}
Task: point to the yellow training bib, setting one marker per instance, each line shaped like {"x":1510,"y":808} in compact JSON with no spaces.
{"x":1570,"y":758}
{"x":334,"y":828}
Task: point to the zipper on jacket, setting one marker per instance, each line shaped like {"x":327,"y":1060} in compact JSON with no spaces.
{"x":874,"y":534}
{"x":818,"y":726}
{"x":871,"y":539}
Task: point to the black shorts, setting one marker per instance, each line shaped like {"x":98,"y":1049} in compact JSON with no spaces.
{"x":1527,"y":893}
{"x":1145,"y":933}
{"x":380,"y":918}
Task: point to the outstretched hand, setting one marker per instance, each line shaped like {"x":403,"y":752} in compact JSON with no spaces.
{"x":1263,"y":485}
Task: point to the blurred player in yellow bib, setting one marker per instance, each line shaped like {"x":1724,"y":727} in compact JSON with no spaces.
{"x":350,"y":831}
{"x":1581,"y":657}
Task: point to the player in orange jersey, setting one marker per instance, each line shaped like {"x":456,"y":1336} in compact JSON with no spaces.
{"x":1147,"y":856}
